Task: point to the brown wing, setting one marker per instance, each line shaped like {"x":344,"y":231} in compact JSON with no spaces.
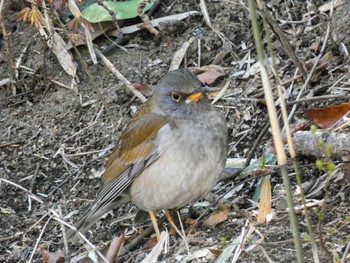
{"x":135,"y":150}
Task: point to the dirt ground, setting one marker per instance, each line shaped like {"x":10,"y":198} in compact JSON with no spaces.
{"x":55,"y":141}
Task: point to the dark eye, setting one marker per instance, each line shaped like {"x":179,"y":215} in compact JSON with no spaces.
{"x":175,"y":96}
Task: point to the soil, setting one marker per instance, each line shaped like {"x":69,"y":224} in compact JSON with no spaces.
{"x":55,"y":141}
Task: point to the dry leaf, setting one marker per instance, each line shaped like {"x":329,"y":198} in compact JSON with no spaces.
{"x":54,"y":257}
{"x":180,"y":54}
{"x":210,"y":76}
{"x":110,"y":253}
{"x":145,"y":89}
{"x":190,"y":221}
{"x":78,"y":33}
{"x":215,"y":251}
{"x":328,"y":116}
{"x":114,"y":248}
{"x":265,"y":200}
{"x":151,"y":243}
{"x":217,"y":217}
{"x":199,"y":70}
{"x":64,"y":58}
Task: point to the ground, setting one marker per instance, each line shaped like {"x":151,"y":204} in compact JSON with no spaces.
{"x":55,"y":141}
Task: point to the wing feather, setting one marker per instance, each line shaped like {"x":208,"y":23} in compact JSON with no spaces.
{"x":135,"y":150}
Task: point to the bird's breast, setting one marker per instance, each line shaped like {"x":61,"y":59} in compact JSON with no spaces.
{"x":192,"y":156}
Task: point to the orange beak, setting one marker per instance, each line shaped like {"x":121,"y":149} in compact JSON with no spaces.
{"x":194,"y":97}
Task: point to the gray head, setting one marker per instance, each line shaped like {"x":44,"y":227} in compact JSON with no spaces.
{"x":181,"y":94}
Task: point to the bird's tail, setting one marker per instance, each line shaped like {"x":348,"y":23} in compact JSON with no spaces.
{"x":91,"y":216}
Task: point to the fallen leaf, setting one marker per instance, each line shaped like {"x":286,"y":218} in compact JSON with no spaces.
{"x":114,"y":248}
{"x":328,"y":116}
{"x":265,"y":200}
{"x":77,"y":35}
{"x":180,"y":54}
{"x":210,"y":76}
{"x":151,"y":243}
{"x":190,"y":221}
{"x":144,"y":88}
{"x":199,"y":70}
{"x":217,"y":217}
{"x":215,"y":251}
{"x":110,"y":252}
{"x":51,"y":257}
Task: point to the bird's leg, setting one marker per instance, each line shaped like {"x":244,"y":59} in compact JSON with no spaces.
{"x":171,"y":222}
{"x":152,"y":215}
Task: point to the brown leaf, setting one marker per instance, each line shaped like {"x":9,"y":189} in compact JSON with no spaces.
{"x":54,"y":257}
{"x":110,"y":252}
{"x":96,"y":29}
{"x":217,"y":217}
{"x":151,"y":243}
{"x":114,"y":248}
{"x":265,"y":200}
{"x":215,"y":251}
{"x":144,"y":88}
{"x":210,"y":76}
{"x":32,"y":15}
{"x":328,"y":116}
{"x":190,"y":221}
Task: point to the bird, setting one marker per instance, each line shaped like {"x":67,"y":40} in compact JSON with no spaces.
{"x":171,"y":153}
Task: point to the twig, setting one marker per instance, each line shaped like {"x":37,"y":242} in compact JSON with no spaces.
{"x":32,"y":185}
{"x":139,"y":238}
{"x":199,"y":34}
{"x":114,"y":18}
{"x":22,"y":188}
{"x":10,"y":144}
{"x":65,"y":241}
{"x":76,"y":172}
{"x":56,"y":217}
{"x":146,"y":23}
{"x":284,"y":41}
{"x":38,"y":240}
{"x":256,"y":144}
{"x":346,"y":252}
{"x":321,"y":214}
{"x":155,"y":6}
{"x":171,"y":5}
{"x":226,"y":49}
{"x":15,"y":236}
{"x":91,"y":78}
{"x":320,"y":55}
{"x":20,"y":60}
{"x":318,"y":98}
{"x":120,"y":76}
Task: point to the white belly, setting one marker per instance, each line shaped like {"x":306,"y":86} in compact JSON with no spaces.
{"x":183,"y":172}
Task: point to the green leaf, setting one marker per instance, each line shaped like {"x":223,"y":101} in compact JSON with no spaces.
{"x":319,"y":164}
{"x":313,"y":129}
{"x":263,"y":161}
{"x":307,"y":237}
{"x":329,"y":149}
{"x":123,"y":10}
{"x":330,"y":167}
{"x":321,"y":144}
